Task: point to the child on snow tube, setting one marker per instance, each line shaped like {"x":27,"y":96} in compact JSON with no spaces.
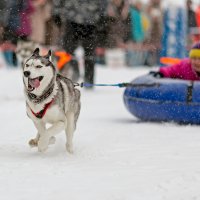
{"x":187,"y":69}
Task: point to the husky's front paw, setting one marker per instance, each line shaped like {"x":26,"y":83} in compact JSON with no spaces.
{"x":33,"y":142}
{"x":43,"y":143}
{"x":69,"y":148}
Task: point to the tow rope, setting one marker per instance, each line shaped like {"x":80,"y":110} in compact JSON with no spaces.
{"x":120,"y":85}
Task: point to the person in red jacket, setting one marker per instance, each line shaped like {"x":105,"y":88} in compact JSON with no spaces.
{"x":186,"y":69}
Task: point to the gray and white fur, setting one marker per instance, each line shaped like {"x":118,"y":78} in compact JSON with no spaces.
{"x":44,"y":86}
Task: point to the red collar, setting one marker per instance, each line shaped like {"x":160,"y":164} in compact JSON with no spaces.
{"x":41,"y":113}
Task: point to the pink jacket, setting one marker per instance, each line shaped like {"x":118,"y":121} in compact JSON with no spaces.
{"x":182,"y":70}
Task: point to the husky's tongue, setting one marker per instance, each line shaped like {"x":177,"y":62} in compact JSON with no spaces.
{"x":34,"y":82}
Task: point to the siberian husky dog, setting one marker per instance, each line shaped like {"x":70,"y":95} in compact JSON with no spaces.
{"x":25,"y":49}
{"x":50,"y":99}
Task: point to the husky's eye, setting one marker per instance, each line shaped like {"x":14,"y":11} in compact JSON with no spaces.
{"x":38,"y":66}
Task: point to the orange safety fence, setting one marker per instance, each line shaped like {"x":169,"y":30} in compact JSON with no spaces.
{"x":63,"y":58}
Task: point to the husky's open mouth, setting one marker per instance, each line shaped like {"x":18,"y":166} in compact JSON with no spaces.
{"x":34,"y":83}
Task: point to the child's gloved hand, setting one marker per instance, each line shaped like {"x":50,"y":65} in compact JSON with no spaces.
{"x":156,"y":74}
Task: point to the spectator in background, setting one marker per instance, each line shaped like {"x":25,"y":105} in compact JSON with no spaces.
{"x":153,"y":41}
{"x":2,"y":18}
{"x":135,"y":53}
{"x":42,"y":12}
{"x":191,"y":16}
{"x":119,"y":22}
{"x":192,"y":31}
{"x":137,"y":30}
{"x":80,"y":19}
{"x":18,"y":24}
{"x":154,"y":13}
{"x":53,"y":32}
{"x":197,"y":13}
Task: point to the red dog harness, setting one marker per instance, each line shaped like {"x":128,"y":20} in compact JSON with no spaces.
{"x":41,"y":113}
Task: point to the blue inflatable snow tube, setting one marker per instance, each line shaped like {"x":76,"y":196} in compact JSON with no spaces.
{"x":162,"y":99}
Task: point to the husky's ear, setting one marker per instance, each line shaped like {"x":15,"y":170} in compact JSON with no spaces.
{"x":36,"y":52}
{"x":48,"y":56}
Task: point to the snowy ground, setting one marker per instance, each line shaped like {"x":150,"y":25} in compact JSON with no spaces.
{"x":116,"y":157}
